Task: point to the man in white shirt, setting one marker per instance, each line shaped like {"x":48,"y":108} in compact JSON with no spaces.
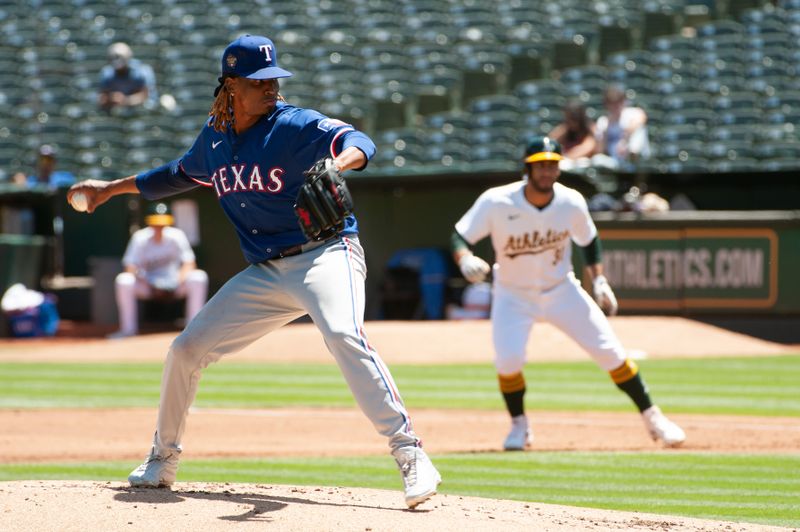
{"x":159,"y":264}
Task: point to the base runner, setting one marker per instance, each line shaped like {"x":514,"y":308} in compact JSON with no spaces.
{"x":532,"y":224}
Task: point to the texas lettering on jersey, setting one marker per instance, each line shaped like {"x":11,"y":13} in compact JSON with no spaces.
{"x":243,"y":178}
{"x":533,"y":243}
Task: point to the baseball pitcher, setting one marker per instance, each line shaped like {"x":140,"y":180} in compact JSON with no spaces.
{"x":276,"y":170}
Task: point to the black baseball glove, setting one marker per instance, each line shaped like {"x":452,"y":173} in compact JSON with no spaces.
{"x":323,"y":201}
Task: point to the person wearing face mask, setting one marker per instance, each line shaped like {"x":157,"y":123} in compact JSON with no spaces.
{"x":125,"y":81}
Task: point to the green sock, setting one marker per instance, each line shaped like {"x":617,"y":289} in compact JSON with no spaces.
{"x":637,"y":391}
{"x":514,"y":402}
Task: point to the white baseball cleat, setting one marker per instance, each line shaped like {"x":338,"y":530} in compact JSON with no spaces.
{"x":158,"y":470}
{"x":661,"y":428}
{"x":420,"y":478}
{"x":520,"y":436}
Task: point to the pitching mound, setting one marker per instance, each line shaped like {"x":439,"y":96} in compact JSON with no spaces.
{"x":70,"y":505}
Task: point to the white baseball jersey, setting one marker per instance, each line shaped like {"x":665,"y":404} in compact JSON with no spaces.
{"x":532,"y":246}
{"x":160,"y":261}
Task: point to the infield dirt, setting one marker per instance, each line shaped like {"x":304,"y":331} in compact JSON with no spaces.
{"x":92,"y":435}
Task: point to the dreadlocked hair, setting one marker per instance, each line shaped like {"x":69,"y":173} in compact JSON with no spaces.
{"x":222,"y":108}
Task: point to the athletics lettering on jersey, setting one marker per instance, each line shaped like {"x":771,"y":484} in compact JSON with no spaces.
{"x":534,"y":243}
{"x":246,"y":181}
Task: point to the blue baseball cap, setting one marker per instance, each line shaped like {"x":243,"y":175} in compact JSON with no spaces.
{"x":252,"y":57}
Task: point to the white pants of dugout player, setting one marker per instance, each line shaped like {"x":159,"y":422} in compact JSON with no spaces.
{"x":326,"y":282}
{"x":128,"y":289}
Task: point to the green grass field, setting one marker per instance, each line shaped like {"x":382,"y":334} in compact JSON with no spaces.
{"x":753,"y":386}
{"x":752,"y":488}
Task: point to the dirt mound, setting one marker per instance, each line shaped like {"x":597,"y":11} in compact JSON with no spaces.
{"x":70,"y":505}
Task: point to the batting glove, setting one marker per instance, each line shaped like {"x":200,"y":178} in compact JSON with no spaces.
{"x":604,"y":295}
{"x":474,"y":269}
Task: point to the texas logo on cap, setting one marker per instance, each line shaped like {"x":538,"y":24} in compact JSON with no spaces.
{"x":252,"y":57}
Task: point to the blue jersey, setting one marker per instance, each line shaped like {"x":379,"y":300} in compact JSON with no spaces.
{"x":256,"y":175}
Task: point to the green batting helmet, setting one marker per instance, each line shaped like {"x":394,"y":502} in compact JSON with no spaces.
{"x":542,"y":149}
{"x":159,"y":214}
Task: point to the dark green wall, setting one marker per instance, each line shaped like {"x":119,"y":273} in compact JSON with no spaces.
{"x":394,"y":212}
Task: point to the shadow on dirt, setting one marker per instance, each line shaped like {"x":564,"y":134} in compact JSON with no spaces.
{"x":260,"y":504}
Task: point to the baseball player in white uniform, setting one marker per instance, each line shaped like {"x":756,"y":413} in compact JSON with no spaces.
{"x":532,"y":224}
{"x":159,"y":264}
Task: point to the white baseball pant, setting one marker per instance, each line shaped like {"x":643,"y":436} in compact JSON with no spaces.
{"x":567,"y":306}
{"x":128,"y":288}
{"x":326,"y":282}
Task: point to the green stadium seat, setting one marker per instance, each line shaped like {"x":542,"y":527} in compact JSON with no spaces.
{"x":527,"y":60}
{"x":778,"y":165}
{"x":731,"y":150}
{"x":739,"y":117}
{"x":742,"y":164}
{"x":614,"y":37}
{"x":658,"y":23}
{"x":774,"y":150}
{"x":732,"y":133}
{"x":569,"y":52}
{"x":438,"y":90}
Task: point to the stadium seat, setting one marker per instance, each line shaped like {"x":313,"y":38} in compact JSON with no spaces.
{"x":739,"y":117}
{"x":658,"y":23}
{"x":449,"y":157}
{"x":526,"y":61}
{"x":779,"y":165}
{"x":438,"y":90}
{"x":732,"y":133}
{"x":736,"y":7}
{"x":667,"y":151}
{"x":729,"y":150}
{"x":775,"y":150}
{"x":688,"y":165}
{"x":489,"y":135}
{"x":690,"y":100}
{"x":702,"y":118}
{"x":569,"y":52}
{"x":539,"y":89}
{"x":737,"y":100}
{"x":678,"y":46}
{"x":742,"y":164}
{"x":720,"y":27}
{"x":484,"y":73}
{"x":620,"y":59}
{"x":496,"y":103}
{"x":614,"y":37}
{"x":677,"y":133}
{"x":496,"y":157}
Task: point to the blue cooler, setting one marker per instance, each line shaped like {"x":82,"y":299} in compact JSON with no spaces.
{"x":41,"y":320}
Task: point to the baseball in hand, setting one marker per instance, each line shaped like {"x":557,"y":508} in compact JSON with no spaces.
{"x":80,"y":202}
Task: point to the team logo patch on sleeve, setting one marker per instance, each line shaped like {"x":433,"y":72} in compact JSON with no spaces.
{"x":327,"y":124}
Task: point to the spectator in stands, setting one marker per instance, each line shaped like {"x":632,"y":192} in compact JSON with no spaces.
{"x":45,"y":173}
{"x":126,"y":81}
{"x":576,"y":134}
{"x":159,"y":264}
{"x":621,"y":132}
